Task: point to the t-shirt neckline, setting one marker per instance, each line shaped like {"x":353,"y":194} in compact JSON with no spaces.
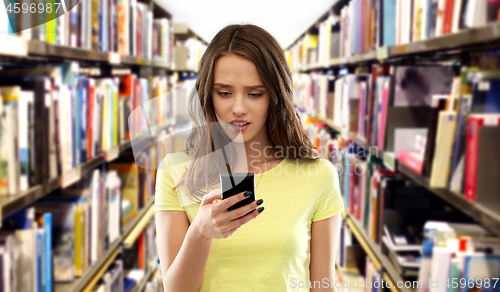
{"x":277,"y":165}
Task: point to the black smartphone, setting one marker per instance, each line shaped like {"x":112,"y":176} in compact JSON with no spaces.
{"x":234,"y":183}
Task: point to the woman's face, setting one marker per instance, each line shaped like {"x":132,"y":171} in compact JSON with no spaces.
{"x":239,"y":96}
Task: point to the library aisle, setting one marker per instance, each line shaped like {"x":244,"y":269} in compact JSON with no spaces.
{"x":402,"y":96}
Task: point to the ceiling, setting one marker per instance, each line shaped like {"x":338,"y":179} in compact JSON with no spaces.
{"x":284,"y":19}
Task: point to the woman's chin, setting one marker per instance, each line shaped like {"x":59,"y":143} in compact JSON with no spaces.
{"x":239,"y":138}
{"x":231,"y":133}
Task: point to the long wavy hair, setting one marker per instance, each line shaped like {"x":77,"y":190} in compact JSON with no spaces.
{"x":283,"y":123}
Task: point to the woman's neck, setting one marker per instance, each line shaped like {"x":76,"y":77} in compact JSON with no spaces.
{"x":256,"y":152}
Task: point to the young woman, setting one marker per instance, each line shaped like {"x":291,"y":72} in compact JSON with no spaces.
{"x":244,"y":95}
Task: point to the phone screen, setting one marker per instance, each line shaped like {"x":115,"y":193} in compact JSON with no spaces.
{"x":235,"y":183}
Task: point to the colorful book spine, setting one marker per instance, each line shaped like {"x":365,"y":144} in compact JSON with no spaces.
{"x":47,"y":227}
{"x":383,"y":113}
{"x":475,"y":122}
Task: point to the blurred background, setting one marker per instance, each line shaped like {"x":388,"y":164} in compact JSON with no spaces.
{"x":402,"y":96}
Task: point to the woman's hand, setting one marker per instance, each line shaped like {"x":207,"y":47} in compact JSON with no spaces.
{"x":215,"y":221}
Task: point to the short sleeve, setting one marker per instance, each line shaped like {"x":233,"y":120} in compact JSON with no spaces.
{"x":166,"y":197}
{"x":330,"y":202}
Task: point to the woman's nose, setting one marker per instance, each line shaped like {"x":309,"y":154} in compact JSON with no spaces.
{"x":239,"y":107}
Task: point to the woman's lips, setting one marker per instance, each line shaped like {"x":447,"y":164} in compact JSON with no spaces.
{"x":239,"y":128}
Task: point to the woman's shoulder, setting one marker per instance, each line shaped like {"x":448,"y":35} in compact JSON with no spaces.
{"x":178,"y":157}
{"x":319,"y":162}
{"x":320,"y":167}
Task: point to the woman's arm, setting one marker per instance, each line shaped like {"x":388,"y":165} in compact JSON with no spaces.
{"x":324,"y":243}
{"x":176,"y":240}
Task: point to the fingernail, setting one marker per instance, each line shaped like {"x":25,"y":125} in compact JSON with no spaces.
{"x":260,"y":209}
{"x":248,"y":193}
{"x":260,"y":201}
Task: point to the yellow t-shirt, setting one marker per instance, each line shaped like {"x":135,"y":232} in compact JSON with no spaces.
{"x":272,"y":251}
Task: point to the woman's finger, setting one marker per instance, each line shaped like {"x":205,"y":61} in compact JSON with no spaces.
{"x":211,"y":197}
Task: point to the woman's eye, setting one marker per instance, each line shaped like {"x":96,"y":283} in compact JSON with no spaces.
{"x":224,"y":94}
{"x":256,"y":94}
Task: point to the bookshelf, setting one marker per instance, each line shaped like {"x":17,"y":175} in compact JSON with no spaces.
{"x":454,"y":43}
{"x":38,"y":51}
{"x":143,"y":220}
{"x":460,"y":48}
{"x":490,"y":220}
{"x":183,"y":32}
{"x":140,"y":286}
{"x":90,"y":277}
{"x":10,"y":204}
{"x":373,"y":250}
{"x":150,"y":66}
{"x":184,"y":54}
{"x":451,"y":43}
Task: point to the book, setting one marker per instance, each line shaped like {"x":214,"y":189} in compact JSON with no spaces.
{"x":436,"y":233}
{"x":9,"y":151}
{"x":475,"y":122}
{"x":442,"y":151}
{"x":487,"y":183}
{"x":63,"y":238}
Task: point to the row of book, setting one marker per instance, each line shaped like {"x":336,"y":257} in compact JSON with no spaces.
{"x":141,"y":258}
{"x":133,"y":265}
{"x":118,"y":279}
{"x":316,"y":48}
{"x":440,"y":121}
{"x":62,"y":235}
{"x":420,"y":234}
{"x":188,"y":54}
{"x":315,"y":92}
{"x":54,"y":119}
{"x":366,"y":25}
{"x":126,"y":27}
{"x":398,"y":22}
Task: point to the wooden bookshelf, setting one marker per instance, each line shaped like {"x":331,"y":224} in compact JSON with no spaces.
{"x":134,"y":224}
{"x":445,"y":46}
{"x":132,"y":235}
{"x":132,"y":60}
{"x":373,"y":250}
{"x":460,"y":41}
{"x":183,"y":32}
{"x":17,"y":50}
{"x":330,"y":123}
{"x":465,"y":40}
{"x":42,"y":51}
{"x":92,"y":275}
{"x":140,"y":286}
{"x":487,"y":218}
{"x":10,"y":204}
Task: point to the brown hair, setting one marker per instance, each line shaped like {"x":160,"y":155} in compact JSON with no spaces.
{"x":283,"y":122}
